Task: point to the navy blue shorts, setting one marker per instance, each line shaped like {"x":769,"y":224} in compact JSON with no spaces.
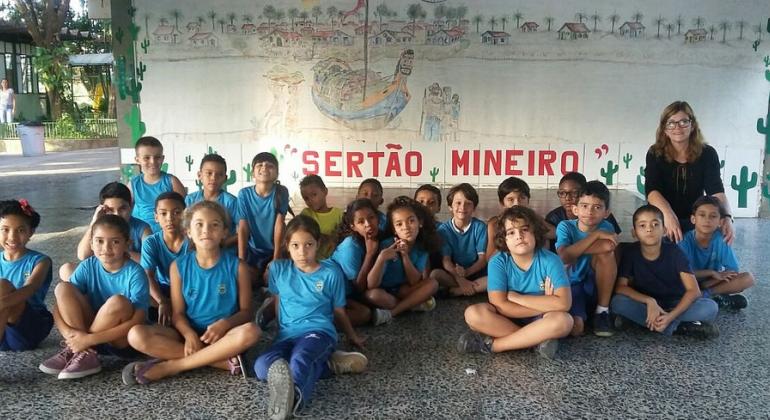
{"x":526,"y":321}
{"x":30,"y":329}
{"x":127,"y":352}
{"x":258,"y":258}
{"x":583,"y":297}
{"x":477,"y":275}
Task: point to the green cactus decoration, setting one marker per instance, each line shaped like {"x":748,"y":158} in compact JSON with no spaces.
{"x":126,"y":172}
{"x":639,"y":182}
{"x":611,"y":170}
{"x":765,"y":191}
{"x":755,"y":44}
{"x":274,"y":152}
{"x":230,"y":179}
{"x":133,"y":31}
{"x":763,"y":127}
{"x":247,"y":169}
{"x":744,"y":186}
{"x":767,"y":60}
{"x":722,"y":164}
{"x":145,"y":44}
{"x":119,"y":34}
{"x":134,"y":121}
{"x":433,"y":174}
{"x":199,"y":184}
{"x":131,"y":11}
{"x":212,"y":151}
{"x":164,"y":167}
{"x":189,"y":159}
{"x":295,"y":176}
{"x":140,"y":69}
{"x":627,"y":159}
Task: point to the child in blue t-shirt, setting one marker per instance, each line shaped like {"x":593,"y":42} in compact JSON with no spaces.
{"x":262,"y":210}
{"x":529,"y":294}
{"x":712,"y":258}
{"x":114,"y":198}
{"x":430,"y":197}
{"x":212,"y":176}
{"x":511,"y":192}
{"x":356,"y":253}
{"x":106,"y":296}
{"x":656,"y":288}
{"x":399,"y":280}
{"x":587,"y":245}
{"x":372,"y":189}
{"x":464,"y":262}
{"x":152,"y":181}
{"x":211,"y":301}
{"x":25,"y":276}
{"x":310,"y":295}
{"x":160,"y":249}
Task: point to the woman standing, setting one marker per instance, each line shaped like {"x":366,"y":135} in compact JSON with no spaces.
{"x":7,"y":102}
{"x":680,"y":168}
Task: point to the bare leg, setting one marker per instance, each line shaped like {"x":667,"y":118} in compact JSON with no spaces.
{"x":444,"y":279}
{"x":115,"y":311}
{"x":740,"y":283}
{"x":606,"y":271}
{"x":380,"y":298}
{"x":10,"y":314}
{"x":72,"y":309}
{"x":480,"y":285}
{"x":412,"y":295}
{"x":578,"y":326}
{"x":66,"y":270}
{"x":483,"y":318}
{"x":551,"y":325}
{"x":157,"y":341}
{"x":358,"y":313}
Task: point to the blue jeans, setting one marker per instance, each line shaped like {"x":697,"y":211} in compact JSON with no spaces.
{"x":307,"y":356}
{"x":702,"y":309}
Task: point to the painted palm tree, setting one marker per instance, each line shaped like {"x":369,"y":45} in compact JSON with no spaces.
{"x":461,"y":12}
{"x":698,"y":22}
{"x":440,"y":12}
{"x":382,"y":11}
{"x":147,"y":17}
{"x":201,"y":20}
{"x":758,"y":30}
{"x":212,"y":15}
{"x":221,"y":22}
{"x":247,"y":18}
{"x":503,"y":21}
{"x":477,"y":21}
{"x":414,"y":12}
{"x":304,"y":16}
{"x":659,"y":21}
{"x":596,"y":18}
{"x":316,"y":12}
{"x":231,"y":17}
{"x":614,"y":18}
{"x":724,"y":26}
{"x":331,"y":12}
{"x":637,"y":16}
{"x":669,"y":28}
{"x":269,"y":13}
{"x":176,"y":14}
{"x":451,"y":16}
{"x":293,"y":14}
{"x":163,"y":21}
{"x":712,"y":29}
{"x":518,"y":16}
{"x":741,"y":24}
{"x":580,"y":16}
{"x":679,"y":22}
{"x":492,"y":22}
{"x":549,"y":21}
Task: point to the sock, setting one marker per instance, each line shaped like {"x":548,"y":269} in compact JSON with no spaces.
{"x":600,"y":309}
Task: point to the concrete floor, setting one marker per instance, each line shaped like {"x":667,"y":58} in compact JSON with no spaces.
{"x":414,"y":369}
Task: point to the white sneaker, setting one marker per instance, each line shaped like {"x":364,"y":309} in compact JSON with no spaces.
{"x":342,"y":362}
{"x":381,"y":316}
{"x":426,"y":306}
{"x":280,"y":390}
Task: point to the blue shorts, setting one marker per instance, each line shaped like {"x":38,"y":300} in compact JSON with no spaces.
{"x":258,"y":258}
{"x":477,"y":275}
{"x":29,"y":330}
{"x":526,"y":321}
{"x":127,"y":352}
{"x":583,"y":297}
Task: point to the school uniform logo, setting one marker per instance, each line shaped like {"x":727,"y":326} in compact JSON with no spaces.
{"x":319,"y":286}
{"x":222,"y":289}
{"x":26,"y":275}
{"x":542,"y":284}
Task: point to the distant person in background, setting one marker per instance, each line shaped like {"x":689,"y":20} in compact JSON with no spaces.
{"x":680,"y":169}
{"x":7,"y":103}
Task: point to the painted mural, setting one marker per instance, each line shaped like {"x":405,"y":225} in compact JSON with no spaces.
{"x":449,"y":91}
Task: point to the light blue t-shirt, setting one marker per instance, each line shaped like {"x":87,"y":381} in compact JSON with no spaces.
{"x":18,"y":271}
{"x":98,"y":284}
{"x":145,"y":195}
{"x":568,"y":233}
{"x":718,"y":256}
{"x":136,"y":231}
{"x":306,"y":301}
{"x":210,"y":294}
{"x":260,"y":213}
{"x":349,"y":255}
{"x":464,"y":248}
{"x":382,"y":219}
{"x":393,"y":273}
{"x":156,"y":256}
{"x":506,"y":276}
{"x":225,"y":199}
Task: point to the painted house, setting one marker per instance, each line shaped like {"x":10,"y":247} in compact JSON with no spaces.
{"x":249,"y":29}
{"x":230,"y":28}
{"x":631,"y":30}
{"x":694,"y":35}
{"x":193,"y":27}
{"x":529,"y":27}
{"x":335,"y":37}
{"x":204,"y":40}
{"x":167,"y":34}
{"x":373,"y":28}
{"x":264,"y":28}
{"x":445,"y":37}
{"x":388,"y":37}
{"x":495,"y":38}
{"x":573,"y":30}
{"x":283,"y":38}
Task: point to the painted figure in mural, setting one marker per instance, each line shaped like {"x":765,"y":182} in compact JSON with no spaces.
{"x":281,"y":117}
{"x":680,"y":169}
{"x":361,"y":99}
{"x":454,"y":117}
{"x":432,"y":110}
{"x":7,"y":103}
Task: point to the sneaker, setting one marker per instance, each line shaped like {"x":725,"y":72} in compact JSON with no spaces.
{"x":426,"y":306}
{"x":82,"y":364}
{"x":601,"y":325}
{"x":235,"y":364}
{"x":731,"y":302}
{"x":56,"y":363}
{"x":548,"y":348}
{"x":381,"y":316}
{"x":473,"y":342}
{"x":299,"y":403}
{"x":281,"y":391}
{"x":702,"y":330}
{"x":342,"y":362}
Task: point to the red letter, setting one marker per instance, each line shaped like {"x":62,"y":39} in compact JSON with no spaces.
{"x":393,"y":165}
{"x":355,"y":159}
{"x":309,"y":158}
{"x":511,"y":162}
{"x":547,"y":157}
{"x":330,"y":164}
{"x":572,"y":154}
{"x":476,"y":162}
{"x":459,"y":162}
{"x":492,"y":159}
{"x":416,"y":169}
{"x":531,"y":163}
{"x":375,"y":156}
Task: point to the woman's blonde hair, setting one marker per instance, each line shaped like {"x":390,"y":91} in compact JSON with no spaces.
{"x":663,"y":146}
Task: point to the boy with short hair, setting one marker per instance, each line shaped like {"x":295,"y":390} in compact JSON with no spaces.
{"x":371,"y":188}
{"x":161,"y":249}
{"x":262,"y":210}
{"x":656,"y":287}
{"x":212,"y":176}
{"x":570,"y":186}
{"x":151,"y":181}
{"x":587,"y":244}
{"x":511,"y":192}
{"x":713,"y":260}
{"x":314,"y":193}
{"x":464,"y":250}
{"x":106,"y":296}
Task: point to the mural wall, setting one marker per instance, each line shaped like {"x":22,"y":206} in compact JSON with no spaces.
{"x":449,"y":91}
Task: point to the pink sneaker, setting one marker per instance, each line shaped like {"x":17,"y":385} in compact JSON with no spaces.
{"x":56,"y":363}
{"x":82,"y":364}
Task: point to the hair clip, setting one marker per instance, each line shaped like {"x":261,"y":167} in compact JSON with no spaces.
{"x":25,"y":207}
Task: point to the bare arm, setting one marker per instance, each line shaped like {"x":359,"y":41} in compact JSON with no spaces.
{"x":178,"y":306}
{"x":412,"y":274}
{"x":569,"y":254}
{"x":366,"y":266}
{"x":510,"y":309}
{"x":691,"y":294}
{"x":374,"y":278}
{"x":177,"y":186}
{"x":560,"y":301}
{"x":245,"y":311}
{"x":727,"y":223}
{"x":670,"y":219}
{"x":479,"y":265}
{"x":622,"y":288}
{"x":244,"y":233}
{"x":31,"y":285}
{"x":278,"y":235}
{"x":347,"y":327}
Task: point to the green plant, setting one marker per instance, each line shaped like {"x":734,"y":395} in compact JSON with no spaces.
{"x":627,"y":159}
{"x":722,"y":164}
{"x":126,"y":172}
{"x":212,"y":151}
{"x":140,"y":69}
{"x":199,"y":184}
{"x":134,"y":121}
{"x":145,"y":44}
{"x":164,"y":167}
{"x":230,"y":179}
{"x":433,"y":174}
{"x":639,"y":182}
{"x":746,"y":183}
{"x":607,"y":174}
{"x":247,"y":170}
{"x":189,"y":159}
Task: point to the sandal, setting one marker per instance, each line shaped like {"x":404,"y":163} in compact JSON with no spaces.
{"x":133,"y":373}
{"x":236,"y":366}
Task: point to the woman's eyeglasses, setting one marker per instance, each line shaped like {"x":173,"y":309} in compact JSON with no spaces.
{"x":670,"y":125}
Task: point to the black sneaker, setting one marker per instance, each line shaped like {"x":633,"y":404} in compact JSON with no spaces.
{"x":473,"y":342}
{"x":731,"y":302}
{"x":702,"y":330}
{"x":601,"y":325}
{"x":548,"y":348}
